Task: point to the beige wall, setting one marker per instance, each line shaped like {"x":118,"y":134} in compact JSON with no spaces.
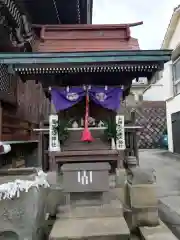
{"x":175,"y":40}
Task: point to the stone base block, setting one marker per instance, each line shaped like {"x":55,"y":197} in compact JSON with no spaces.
{"x":141,"y":217}
{"x":90,"y":228}
{"x":142,"y":195}
{"x":160,"y":232}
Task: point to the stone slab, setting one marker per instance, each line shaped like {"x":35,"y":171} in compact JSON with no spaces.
{"x":113,"y":209}
{"x":91,"y":228}
{"x":160,"y":232}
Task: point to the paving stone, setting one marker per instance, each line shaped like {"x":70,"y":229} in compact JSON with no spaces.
{"x":160,"y":232}
{"x":169,"y":210}
{"x":141,"y":218}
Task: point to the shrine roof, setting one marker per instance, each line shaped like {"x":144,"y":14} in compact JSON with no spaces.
{"x":124,"y":66}
{"x":87,"y":38}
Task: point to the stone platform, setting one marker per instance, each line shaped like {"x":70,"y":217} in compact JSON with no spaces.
{"x":110,"y":228}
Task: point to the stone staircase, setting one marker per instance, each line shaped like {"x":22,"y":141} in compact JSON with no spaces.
{"x":87,"y":220}
{"x":88,"y":216}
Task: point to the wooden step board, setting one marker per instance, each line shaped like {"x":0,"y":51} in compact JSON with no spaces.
{"x":110,"y":228}
{"x":86,"y":156}
{"x":77,"y":145}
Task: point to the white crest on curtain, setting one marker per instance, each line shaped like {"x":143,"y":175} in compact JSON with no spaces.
{"x":101,"y":97}
{"x":72,"y":96}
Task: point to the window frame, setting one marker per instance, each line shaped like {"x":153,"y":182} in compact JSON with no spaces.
{"x":176,"y":81}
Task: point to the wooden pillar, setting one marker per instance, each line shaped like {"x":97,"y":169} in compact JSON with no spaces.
{"x":135,"y":145}
{"x":1,"y":120}
{"x":40,"y":147}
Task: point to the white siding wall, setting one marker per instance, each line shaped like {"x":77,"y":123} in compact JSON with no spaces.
{"x":173,"y":104}
{"x":165,"y":92}
{"x":162,"y":89}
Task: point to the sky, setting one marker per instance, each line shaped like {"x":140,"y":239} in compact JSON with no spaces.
{"x":155,"y":14}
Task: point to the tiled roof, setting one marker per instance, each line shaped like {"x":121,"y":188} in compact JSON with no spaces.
{"x":73,"y":38}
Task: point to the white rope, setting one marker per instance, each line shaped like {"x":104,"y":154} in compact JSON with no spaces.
{"x":13,"y":189}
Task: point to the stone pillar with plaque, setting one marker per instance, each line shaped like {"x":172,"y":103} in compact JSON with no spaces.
{"x":83,"y":178}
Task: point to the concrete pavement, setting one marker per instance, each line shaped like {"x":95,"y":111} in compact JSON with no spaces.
{"x":167,"y":167}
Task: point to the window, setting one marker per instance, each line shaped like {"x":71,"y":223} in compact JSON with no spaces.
{"x":176,"y":76}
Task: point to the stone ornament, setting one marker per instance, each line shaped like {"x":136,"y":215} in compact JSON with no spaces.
{"x":12,"y":189}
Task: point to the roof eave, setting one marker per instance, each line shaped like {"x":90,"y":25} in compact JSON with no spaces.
{"x":88,"y":57}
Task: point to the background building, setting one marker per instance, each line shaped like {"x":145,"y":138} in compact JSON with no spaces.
{"x":166,"y":84}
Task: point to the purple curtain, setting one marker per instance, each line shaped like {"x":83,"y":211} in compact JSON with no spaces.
{"x":64,"y":99}
{"x":106,"y":97}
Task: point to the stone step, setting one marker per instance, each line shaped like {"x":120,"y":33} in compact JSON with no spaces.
{"x":90,"y":228}
{"x":113,"y":209}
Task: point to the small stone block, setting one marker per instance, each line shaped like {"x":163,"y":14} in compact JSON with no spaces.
{"x":160,"y":232}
